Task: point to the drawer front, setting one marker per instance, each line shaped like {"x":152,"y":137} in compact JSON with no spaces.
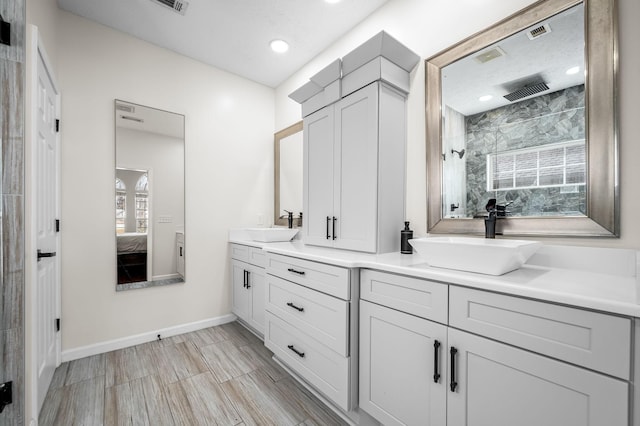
{"x":257,"y":257}
{"x":324,"y":317}
{"x":240,"y":252}
{"x":329,"y":279}
{"x":423,"y":298}
{"x":314,"y":362}
{"x":590,"y":339}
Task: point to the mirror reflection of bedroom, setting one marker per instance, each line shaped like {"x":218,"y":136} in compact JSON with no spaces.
{"x":149,"y":196}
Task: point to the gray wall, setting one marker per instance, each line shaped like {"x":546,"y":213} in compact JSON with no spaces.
{"x":559,"y":116}
{"x":12,"y":231}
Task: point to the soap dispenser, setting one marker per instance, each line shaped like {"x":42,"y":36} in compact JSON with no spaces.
{"x":405,"y":235}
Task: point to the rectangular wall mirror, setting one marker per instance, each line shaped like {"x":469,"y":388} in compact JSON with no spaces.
{"x":149,"y":196}
{"x":288,"y":175}
{"x":524,"y":113}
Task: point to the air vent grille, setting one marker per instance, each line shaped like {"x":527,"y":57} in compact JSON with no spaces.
{"x":126,"y":108}
{"x":538,"y":31}
{"x":176,"y":5}
{"x":526,"y":92}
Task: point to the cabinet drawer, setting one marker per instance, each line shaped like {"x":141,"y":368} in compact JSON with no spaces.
{"x":240,"y":252}
{"x":257,"y":257}
{"x":324,"y":317}
{"x":314,"y":362}
{"x":329,"y":279}
{"x":590,"y":339}
{"x":423,"y":298}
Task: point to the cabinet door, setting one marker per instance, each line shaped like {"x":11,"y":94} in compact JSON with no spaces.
{"x":256,"y":281}
{"x":318,"y":177}
{"x":356,"y":170}
{"x":239,"y":291}
{"x":180,"y":259}
{"x":499,"y":385}
{"x":397,"y":383}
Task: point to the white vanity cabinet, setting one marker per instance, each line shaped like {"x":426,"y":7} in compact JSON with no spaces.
{"x":354,"y":162}
{"x":248,"y":285}
{"x":309,"y":325}
{"x":503,"y":360}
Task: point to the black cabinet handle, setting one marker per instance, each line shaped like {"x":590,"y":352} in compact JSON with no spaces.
{"x":246,"y":279}
{"x":300,"y":354}
{"x":297,"y":308}
{"x":248,"y":285}
{"x":334,"y":227}
{"x":41,"y":254}
{"x":180,"y":251}
{"x":453,"y":383}
{"x":436,"y":369}
{"x":295,"y":272}
{"x":328,"y":220}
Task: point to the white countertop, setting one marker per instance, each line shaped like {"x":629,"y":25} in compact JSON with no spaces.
{"x":612,"y":284}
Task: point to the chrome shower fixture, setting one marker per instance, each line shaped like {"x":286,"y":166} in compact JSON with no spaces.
{"x":460,"y":153}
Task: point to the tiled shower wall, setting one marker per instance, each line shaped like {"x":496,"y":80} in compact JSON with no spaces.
{"x":12,"y":68}
{"x":559,"y":117}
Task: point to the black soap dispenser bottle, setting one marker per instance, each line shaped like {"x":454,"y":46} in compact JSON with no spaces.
{"x":405,"y":235}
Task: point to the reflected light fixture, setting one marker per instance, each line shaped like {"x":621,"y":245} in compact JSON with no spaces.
{"x":573,"y":70}
{"x":279,"y":46}
{"x":485,"y":98}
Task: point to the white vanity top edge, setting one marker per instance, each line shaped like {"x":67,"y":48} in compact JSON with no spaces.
{"x":607,"y":292}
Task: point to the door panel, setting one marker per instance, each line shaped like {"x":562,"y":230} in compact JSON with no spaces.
{"x":240,"y":294}
{"x":499,"y":385}
{"x":318,"y":177}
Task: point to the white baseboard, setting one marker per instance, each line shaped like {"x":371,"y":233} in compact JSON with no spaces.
{"x":125,"y":342}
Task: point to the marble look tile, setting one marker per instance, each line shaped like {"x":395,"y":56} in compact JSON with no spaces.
{"x":206,"y":336}
{"x":314,"y":412}
{"x":12,"y":127}
{"x":178,"y":362}
{"x":85,"y":368}
{"x":78,"y":404}
{"x":59,"y":376}
{"x":139,"y":402}
{"x":226,"y":361}
{"x":262,"y":358}
{"x":125,"y":365}
{"x":239,"y":334}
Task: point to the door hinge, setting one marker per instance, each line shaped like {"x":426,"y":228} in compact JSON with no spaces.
{"x":57,"y":125}
{"x":57,"y":324}
{"x":57,"y":225}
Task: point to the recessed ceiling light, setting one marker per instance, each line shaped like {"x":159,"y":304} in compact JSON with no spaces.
{"x":573,"y":70}
{"x":279,"y":46}
{"x":485,"y":98}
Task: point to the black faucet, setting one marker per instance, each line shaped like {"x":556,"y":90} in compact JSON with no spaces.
{"x":490,"y":221}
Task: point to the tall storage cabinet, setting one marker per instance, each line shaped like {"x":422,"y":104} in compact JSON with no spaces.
{"x":354,"y":157}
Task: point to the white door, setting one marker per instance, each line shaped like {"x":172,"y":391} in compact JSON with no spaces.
{"x":356,"y":170}
{"x":402,"y":367}
{"x":318,"y":177}
{"x":499,"y":385}
{"x":45,"y":212}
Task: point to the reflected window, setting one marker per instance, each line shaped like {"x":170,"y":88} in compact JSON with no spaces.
{"x":142,"y":204}
{"x":121,"y":205}
{"x":553,"y":165}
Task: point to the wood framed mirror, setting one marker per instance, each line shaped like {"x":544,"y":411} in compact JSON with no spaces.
{"x":288,"y":175}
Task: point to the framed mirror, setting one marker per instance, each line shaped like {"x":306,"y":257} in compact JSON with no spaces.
{"x":149,"y":196}
{"x":524,"y":112}
{"x":288,"y":175}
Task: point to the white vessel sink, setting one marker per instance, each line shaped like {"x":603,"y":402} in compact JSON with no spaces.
{"x":271,"y":235}
{"x":484,"y":256}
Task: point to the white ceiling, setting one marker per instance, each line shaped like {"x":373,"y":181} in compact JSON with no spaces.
{"x":545,"y":58}
{"x":234,"y":35}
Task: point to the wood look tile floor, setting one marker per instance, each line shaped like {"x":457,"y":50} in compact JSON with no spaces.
{"x":218,"y":376}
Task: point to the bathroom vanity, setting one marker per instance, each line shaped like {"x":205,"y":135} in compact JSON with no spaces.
{"x":387,"y":337}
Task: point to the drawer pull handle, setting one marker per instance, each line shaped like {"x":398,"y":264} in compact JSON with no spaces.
{"x":295,"y":307}
{"x":244,"y":284}
{"x":436,"y":369}
{"x":248,"y":285}
{"x":295,"y":272}
{"x":453,"y":383}
{"x":300,"y":354}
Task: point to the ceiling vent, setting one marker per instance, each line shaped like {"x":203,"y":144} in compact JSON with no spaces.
{"x":538,"y":31}
{"x":489,"y":55}
{"x":526,"y":92}
{"x":126,"y":108}
{"x":175,"y":5}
